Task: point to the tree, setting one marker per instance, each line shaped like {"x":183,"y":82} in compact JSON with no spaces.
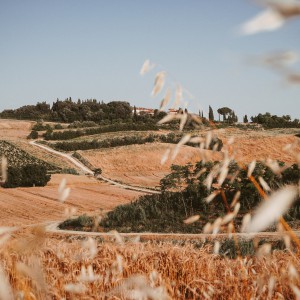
{"x":35,"y":175}
{"x":224,"y":111}
{"x":134,"y":113}
{"x":211,"y":114}
{"x":26,"y":176}
{"x":232,"y":117}
{"x":245,"y":119}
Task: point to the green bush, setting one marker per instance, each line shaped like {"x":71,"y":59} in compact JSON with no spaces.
{"x":40,"y":126}
{"x":78,"y":124}
{"x":69,"y":171}
{"x":58,"y":126}
{"x":33,"y":135}
{"x":79,"y":223}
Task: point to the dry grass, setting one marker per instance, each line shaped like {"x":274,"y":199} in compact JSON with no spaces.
{"x":140,"y":164}
{"x":165,"y":270}
{"x":14,"y":129}
{"x":260,"y":145}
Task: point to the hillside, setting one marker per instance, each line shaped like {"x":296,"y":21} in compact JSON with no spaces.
{"x":17,"y":157}
{"x":14,"y":129}
{"x":140,"y":164}
{"x":24,"y":206}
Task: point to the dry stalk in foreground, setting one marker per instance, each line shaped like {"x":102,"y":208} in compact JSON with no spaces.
{"x":60,"y":270}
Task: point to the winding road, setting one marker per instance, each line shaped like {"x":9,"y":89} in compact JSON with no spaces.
{"x":88,"y":171}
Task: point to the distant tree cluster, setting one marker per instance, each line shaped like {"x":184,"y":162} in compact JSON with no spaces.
{"x":266,"y":120}
{"x":274,"y":121}
{"x":227,"y":113}
{"x":69,"y":111}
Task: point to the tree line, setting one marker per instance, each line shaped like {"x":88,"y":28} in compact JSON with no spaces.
{"x":274,"y":121}
{"x":171,"y":138}
{"x":91,"y":110}
{"x":267,"y":120}
{"x":69,"y":111}
{"x":70,"y":134}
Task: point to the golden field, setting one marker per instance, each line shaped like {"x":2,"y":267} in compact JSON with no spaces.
{"x":36,"y":264}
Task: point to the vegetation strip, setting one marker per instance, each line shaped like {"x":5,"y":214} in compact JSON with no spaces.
{"x":53,"y":228}
{"x":171,"y":138}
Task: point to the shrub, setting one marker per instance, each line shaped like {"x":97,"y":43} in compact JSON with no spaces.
{"x":69,"y":171}
{"x":40,"y":126}
{"x":79,"y":223}
{"x":19,"y":158}
{"x":33,"y":135}
{"x":78,"y":124}
{"x":58,"y":126}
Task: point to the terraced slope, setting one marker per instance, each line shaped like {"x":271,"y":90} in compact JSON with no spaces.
{"x":17,"y":157}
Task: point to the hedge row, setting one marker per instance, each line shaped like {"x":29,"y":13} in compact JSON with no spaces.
{"x":71,"y":134}
{"x":127,"y":140}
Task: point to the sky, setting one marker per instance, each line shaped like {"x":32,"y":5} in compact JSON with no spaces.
{"x":95,"y":49}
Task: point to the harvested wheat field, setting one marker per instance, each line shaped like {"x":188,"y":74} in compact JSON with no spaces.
{"x":261,"y":145}
{"x":140,"y":165}
{"x":24,"y":206}
{"x":14,"y":129}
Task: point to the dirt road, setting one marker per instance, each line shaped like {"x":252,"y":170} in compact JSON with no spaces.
{"x":88,"y":171}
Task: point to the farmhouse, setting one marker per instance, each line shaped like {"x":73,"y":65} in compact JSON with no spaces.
{"x":144,"y":111}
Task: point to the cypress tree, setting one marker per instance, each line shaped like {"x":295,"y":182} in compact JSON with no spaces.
{"x":211,"y":114}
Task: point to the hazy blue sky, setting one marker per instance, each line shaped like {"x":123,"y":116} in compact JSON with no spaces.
{"x":95,"y":49}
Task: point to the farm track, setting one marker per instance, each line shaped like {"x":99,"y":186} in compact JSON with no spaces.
{"x":88,"y":171}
